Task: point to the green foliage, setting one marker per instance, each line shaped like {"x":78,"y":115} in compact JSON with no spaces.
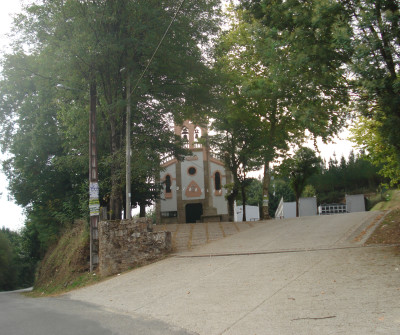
{"x":309,"y":191}
{"x":152,"y":214}
{"x":352,"y":176}
{"x":44,"y":92}
{"x":302,"y":74}
{"x":254,"y":193}
{"x":8,"y":274}
{"x":281,"y":67}
{"x":237,"y":144}
{"x":300,"y":168}
{"x":279,"y":189}
{"x":358,"y":40}
{"x":16,"y":265}
{"x":367,"y":135}
{"x":151,"y":140}
{"x":375,"y":61}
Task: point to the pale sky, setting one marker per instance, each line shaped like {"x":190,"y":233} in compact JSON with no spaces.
{"x":12,"y":215}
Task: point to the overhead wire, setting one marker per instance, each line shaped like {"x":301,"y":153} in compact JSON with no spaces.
{"x":158,"y":46}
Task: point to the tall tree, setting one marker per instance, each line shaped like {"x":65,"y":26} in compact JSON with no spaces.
{"x":375,"y":64}
{"x":237,"y":145}
{"x":63,"y":47}
{"x":368,"y":136}
{"x":151,"y":141}
{"x":282,"y":61}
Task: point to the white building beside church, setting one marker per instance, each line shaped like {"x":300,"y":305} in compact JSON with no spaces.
{"x":193,"y":189}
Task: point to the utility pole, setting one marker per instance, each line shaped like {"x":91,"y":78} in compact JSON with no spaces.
{"x":128,"y":148}
{"x":94,"y":205}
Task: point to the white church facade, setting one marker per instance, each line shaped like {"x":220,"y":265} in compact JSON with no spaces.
{"x":193,"y":189}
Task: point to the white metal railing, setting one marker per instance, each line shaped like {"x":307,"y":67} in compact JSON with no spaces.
{"x":330,"y":209}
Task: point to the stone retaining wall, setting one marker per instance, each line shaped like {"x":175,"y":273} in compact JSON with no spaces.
{"x":128,"y":243}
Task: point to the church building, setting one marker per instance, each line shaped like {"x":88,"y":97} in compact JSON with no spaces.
{"x":193,"y":190}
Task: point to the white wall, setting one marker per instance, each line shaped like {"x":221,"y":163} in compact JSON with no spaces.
{"x":198,"y":177}
{"x":252,"y":213}
{"x":289,"y":210}
{"x":308,"y":206}
{"x":355,"y":203}
{"x":169,"y":205}
{"x":219,"y":201}
{"x":286,"y":210}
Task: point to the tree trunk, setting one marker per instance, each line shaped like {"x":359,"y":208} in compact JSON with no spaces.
{"x":116,"y":190}
{"x":231,"y":204}
{"x":115,"y":200}
{"x":243,"y":201}
{"x":266,"y":183}
{"x":142,"y":213}
{"x":297,"y":206}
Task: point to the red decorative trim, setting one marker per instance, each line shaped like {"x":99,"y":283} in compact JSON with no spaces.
{"x":218,"y":193}
{"x":192,"y":158}
{"x":193,"y":190}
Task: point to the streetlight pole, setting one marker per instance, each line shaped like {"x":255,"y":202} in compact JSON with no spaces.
{"x":128,"y":215}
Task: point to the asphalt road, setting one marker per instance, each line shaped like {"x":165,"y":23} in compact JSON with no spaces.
{"x":20,"y":315}
{"x":298,"y":276}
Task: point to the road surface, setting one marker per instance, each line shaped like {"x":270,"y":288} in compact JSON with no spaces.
{"x":306,"y":276}
{"x":20,"y":315}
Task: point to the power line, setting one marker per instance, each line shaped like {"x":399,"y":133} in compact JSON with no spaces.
{"x":158,"y":46}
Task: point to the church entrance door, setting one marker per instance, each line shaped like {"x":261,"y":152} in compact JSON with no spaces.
{"x":193,"y":212}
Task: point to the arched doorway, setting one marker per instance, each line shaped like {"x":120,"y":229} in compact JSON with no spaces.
{"x":193,"y":212}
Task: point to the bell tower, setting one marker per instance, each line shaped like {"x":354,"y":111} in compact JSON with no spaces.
{"x":191,"y":134}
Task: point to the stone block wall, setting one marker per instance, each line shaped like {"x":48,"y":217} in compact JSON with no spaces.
{"x":128,"y":243}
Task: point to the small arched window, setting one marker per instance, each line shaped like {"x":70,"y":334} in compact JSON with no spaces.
{"x":185,"y":134}
{"x":197,"y":133}
{"x":168,"y":184}
{"x":217,"y":181}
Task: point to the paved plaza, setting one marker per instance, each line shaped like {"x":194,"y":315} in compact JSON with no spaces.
{"x":188,"y":236}
{"x":304,"y":276}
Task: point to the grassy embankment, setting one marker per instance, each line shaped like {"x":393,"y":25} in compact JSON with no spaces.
{"x":388,"y":231}
{"x":66,"y":265}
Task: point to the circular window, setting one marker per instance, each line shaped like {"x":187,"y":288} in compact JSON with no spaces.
{"x":192,"y":171}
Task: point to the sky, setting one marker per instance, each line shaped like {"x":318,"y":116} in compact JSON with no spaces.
{"x":12,"y":215}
